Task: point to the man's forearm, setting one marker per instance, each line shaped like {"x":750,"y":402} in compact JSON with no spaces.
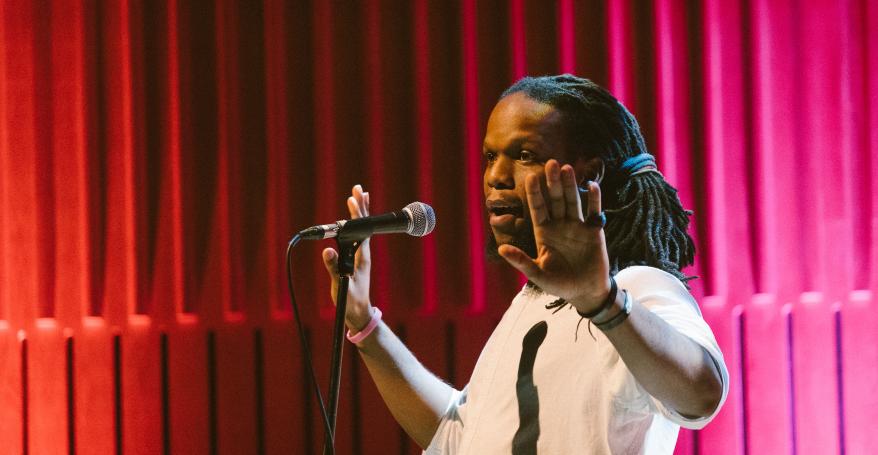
{"x":415,"y":397}
{"x":669,"y":365}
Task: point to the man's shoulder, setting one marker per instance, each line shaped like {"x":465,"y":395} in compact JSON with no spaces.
{"x":644,"y":281}
{"x":646,"y":275}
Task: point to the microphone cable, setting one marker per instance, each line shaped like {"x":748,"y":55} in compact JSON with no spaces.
{"x":306,"y":349}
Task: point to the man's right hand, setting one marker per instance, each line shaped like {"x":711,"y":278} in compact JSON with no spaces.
{"x":415,"y":397}
{"x":359,"y":310}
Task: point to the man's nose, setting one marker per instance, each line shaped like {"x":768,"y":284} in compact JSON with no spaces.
{"x":501,"y":174}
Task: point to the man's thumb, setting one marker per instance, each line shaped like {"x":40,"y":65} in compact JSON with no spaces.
{"x":519,"y":259}
{"x":330,"y":261}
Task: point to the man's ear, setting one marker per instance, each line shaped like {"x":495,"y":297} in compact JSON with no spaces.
{"x":588,"y":169}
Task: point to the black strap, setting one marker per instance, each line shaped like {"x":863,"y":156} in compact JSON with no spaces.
{"x":619,"y":318}
{"x":611,"y":297}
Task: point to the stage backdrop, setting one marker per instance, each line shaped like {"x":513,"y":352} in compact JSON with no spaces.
{"x":155,"y":157}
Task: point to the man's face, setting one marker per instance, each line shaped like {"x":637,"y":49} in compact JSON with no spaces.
{"x":522,"y":135}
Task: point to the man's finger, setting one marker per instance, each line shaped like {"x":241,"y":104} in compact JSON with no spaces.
{"x":363,"y":258}
{"x":354,"y":205}
{"x":360,"y":197}
{"x":520,"y":260}
{"x":358,"y":206}
{"x":594,"y":198}
{"x":557,"y":208}
{"x":365,"y":203}
{"x":571,"y":193}
{"x":536,"y":202}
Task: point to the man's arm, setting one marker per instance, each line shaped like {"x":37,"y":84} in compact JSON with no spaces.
{"x":572,"y":263}
{"x":416,"y":397}
{"x":669,"y":365}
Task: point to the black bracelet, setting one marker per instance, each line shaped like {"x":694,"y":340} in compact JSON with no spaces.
{"x":611,"y":297}
{"x":619,"y":318}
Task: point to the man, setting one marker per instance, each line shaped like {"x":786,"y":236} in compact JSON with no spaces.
{"x":613,"y":261}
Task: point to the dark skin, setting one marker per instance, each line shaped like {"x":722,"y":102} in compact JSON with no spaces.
{"x":524,"y":141}
{"x":571,"y":257}
{"x":525,"y":180}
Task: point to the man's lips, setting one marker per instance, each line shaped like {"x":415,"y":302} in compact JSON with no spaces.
{"x":503,"y":213}
{"x":501,"y":220}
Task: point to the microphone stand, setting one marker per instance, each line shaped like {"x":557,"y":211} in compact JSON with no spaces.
{"x":347,"y":249}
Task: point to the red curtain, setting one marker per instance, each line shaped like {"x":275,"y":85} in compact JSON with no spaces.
{"x":155,"y":157}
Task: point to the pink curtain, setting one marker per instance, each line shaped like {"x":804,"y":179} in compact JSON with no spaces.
{"x":156,"y":156}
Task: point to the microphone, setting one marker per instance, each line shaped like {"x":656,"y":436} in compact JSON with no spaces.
{"x":417,"y":219}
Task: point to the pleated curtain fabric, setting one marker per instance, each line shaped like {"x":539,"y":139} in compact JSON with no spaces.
{"x":155,"y":157}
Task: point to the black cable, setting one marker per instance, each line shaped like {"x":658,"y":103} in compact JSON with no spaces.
{"x":306,"y":350}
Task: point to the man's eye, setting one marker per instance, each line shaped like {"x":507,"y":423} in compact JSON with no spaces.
{"x":527,"y":156}
{"x":490,"y":157}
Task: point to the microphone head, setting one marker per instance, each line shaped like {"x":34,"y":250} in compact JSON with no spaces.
{"x":422,"y":219}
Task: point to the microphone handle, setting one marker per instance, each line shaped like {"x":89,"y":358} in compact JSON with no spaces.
{"x":362,"y":228}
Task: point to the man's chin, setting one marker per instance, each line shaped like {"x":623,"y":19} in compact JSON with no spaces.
{"x":503,"y":238}
{"x":523,"y":241}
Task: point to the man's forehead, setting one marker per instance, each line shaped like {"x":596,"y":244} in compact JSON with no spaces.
{"x":518,"y":117}
{"x":520,"y":109}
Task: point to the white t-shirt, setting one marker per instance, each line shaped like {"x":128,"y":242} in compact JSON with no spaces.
{"x":569,"y":393}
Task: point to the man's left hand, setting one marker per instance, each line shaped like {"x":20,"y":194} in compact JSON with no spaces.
{"x":572,"y":261}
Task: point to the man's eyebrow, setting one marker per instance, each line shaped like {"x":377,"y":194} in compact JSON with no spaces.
{"x":517,"y":142}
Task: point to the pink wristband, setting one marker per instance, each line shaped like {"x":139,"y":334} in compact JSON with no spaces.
{"x":362,"y":334}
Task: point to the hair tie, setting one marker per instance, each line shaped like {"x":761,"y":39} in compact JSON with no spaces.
{"x":638,"y":164}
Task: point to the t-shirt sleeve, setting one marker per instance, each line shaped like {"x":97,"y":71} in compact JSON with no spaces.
{"x":666,"y":297}
{"x":446,"y":440}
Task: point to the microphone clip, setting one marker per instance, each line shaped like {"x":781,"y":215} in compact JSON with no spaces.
{"x":347,"y":252}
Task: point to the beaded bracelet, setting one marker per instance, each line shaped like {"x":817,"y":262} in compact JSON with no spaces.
{"x":619,"y":318}
{"x":362,"y":334}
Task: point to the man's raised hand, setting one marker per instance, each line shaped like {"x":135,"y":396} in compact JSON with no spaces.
{"x":358,"y":309}
{"x":572,"y":261}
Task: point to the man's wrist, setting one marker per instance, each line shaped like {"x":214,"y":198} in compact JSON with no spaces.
{"x":374,"y":320}
{"x":597,"y":304}
{"x":358,"y":319}
{"x":612,"y":310}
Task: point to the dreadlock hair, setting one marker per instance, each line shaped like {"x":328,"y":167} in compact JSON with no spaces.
{"x":646,"y":222}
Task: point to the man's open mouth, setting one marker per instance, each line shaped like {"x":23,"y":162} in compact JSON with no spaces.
{"x":516,"y":211}
{"x":503,"y":213}
{"x":500,"y":208}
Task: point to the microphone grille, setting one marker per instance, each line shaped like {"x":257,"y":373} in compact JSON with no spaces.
{"x":423,"y":219}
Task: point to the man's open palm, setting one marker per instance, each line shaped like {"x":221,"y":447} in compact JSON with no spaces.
{"x":572,"y":261}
